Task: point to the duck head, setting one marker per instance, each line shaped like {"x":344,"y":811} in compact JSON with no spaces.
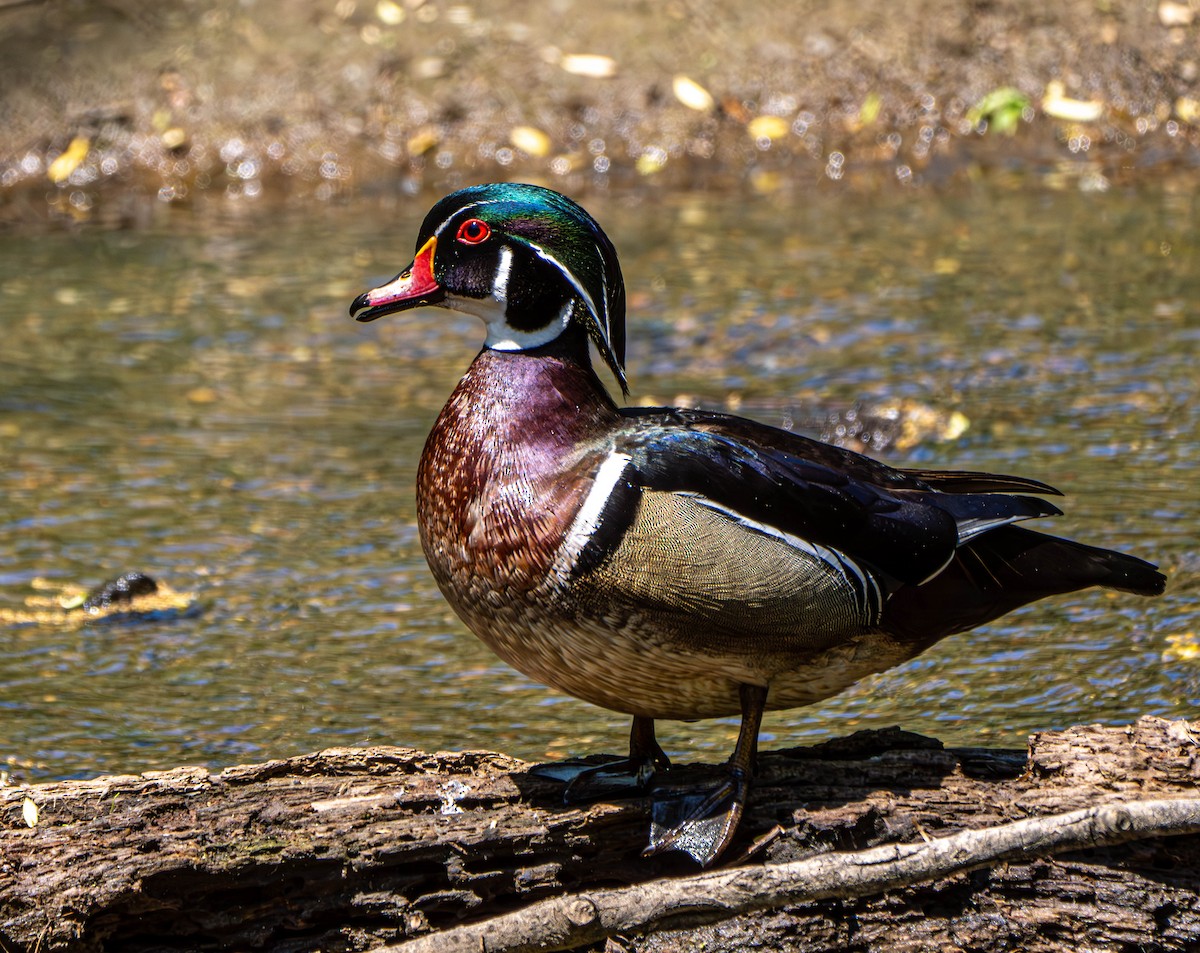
{"x":526,"y":260}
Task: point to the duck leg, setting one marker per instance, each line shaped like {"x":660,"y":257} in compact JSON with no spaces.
{"x":703,"y":825}
{"x":588,"y":781}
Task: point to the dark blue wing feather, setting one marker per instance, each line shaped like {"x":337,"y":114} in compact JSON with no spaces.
{"x":891,"y":521}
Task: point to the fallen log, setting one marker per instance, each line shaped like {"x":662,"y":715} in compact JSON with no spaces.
{"x":883,"y":841}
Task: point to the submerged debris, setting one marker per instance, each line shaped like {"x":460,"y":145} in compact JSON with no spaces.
{"x":130,"y":597}
{"x":119,"y":592}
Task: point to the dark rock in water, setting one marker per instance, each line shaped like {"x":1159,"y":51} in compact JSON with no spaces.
{"x":120,"y":591}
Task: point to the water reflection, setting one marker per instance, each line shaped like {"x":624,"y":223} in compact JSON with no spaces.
{"x":190,"y":398}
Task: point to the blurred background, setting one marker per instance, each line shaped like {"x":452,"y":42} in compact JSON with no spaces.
{"x":314,"y":97}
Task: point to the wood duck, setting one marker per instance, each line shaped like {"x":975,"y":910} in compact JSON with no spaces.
{"x":672,"y":563}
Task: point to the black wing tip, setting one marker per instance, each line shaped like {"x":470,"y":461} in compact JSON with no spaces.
{"x":1112,"y":569}
{"x":1139,"y":577}
{"x":978,"y":481}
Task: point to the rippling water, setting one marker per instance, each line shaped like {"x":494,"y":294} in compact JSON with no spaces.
{"x":189,"y":397}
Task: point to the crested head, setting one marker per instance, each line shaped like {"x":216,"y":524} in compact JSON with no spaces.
{"x":526,"y":260}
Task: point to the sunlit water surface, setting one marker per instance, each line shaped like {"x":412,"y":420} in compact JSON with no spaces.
{"x":189,"y":397}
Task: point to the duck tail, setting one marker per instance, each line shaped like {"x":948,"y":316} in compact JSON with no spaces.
{"x":1003,"y":569}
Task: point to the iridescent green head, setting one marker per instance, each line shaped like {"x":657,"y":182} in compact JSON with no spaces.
{"x":526,"y":260}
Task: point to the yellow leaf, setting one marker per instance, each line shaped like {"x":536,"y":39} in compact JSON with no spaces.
{"x":389,"y":13}
{"x":594,"y":65}
{"x":29,"y":811}
{"x":765,"y":182}
{"x":870,"y":109}
{"x":651,"y":161}
{"x":1182,"y":647}
{"x":202,"y":395}
{"x":422,"y":141}
{"x":66,"y":163}
{"x":530,"y":140}
{"x":692,"y":94}
{"x":956,"y":426}
{"x":768,"y":127}
{"x":1188,"y":109}
{"x":1058,"y":106}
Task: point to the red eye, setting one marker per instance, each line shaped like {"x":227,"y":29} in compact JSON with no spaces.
{"x":473,"y":231}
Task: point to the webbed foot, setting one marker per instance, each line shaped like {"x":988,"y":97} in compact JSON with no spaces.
{"x":588,"y":779}
{"x":703,"y":824}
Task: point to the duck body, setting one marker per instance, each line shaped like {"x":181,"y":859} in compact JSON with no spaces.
{"x":673,"y":563}
{"x":537,"y":568}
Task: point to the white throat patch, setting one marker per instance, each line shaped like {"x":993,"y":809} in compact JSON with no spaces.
{"x":493,"y":311}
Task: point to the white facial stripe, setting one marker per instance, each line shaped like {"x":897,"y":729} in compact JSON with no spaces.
{"x":503,"y":269}
{"x":587,"y":520}
{"x":871,"y":601}
{"x":604,"y":291}
{"x":587,"y":298}
{"x":461,"y":209}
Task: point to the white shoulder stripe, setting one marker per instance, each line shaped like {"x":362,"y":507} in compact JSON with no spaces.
{"x":587,"y":520}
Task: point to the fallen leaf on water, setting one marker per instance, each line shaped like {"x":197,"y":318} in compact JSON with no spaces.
{"x":902,"y":424}
{"x":594,"y":65}
{"x":1059,"y":106}
{"x":768,"y":127}
{"x":390,"y":13}
{"x":692,"y":94}
{"x":202,"y":395}
{"x":422,"y":141}
{"x":1002,"y":109}
{"x":531,"y":140}
{"x":870,"y":109}
{"x":1173,"y":13}
{"x":1188,"y":109}
{"x":764,"y":181}
{"x":651,"y":161}
{"x":69,"y":160}
{"x":1182,"y":647}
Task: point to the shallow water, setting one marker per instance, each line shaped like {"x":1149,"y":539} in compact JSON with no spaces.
{"x":189,"y":397}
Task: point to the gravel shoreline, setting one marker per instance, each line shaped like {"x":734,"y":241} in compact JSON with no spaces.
{"x":276,"y":97}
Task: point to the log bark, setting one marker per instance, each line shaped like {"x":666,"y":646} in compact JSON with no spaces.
{"x":883,"y":841}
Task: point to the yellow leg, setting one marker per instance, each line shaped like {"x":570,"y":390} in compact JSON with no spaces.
{"x":619,"y":777}
{"x":706,"y":829}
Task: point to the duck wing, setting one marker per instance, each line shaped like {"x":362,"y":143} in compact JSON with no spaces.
{"x":902,"y":526}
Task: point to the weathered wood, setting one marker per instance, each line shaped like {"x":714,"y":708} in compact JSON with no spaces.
{"x":351,"y":849}
{"x":573,"y":921}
